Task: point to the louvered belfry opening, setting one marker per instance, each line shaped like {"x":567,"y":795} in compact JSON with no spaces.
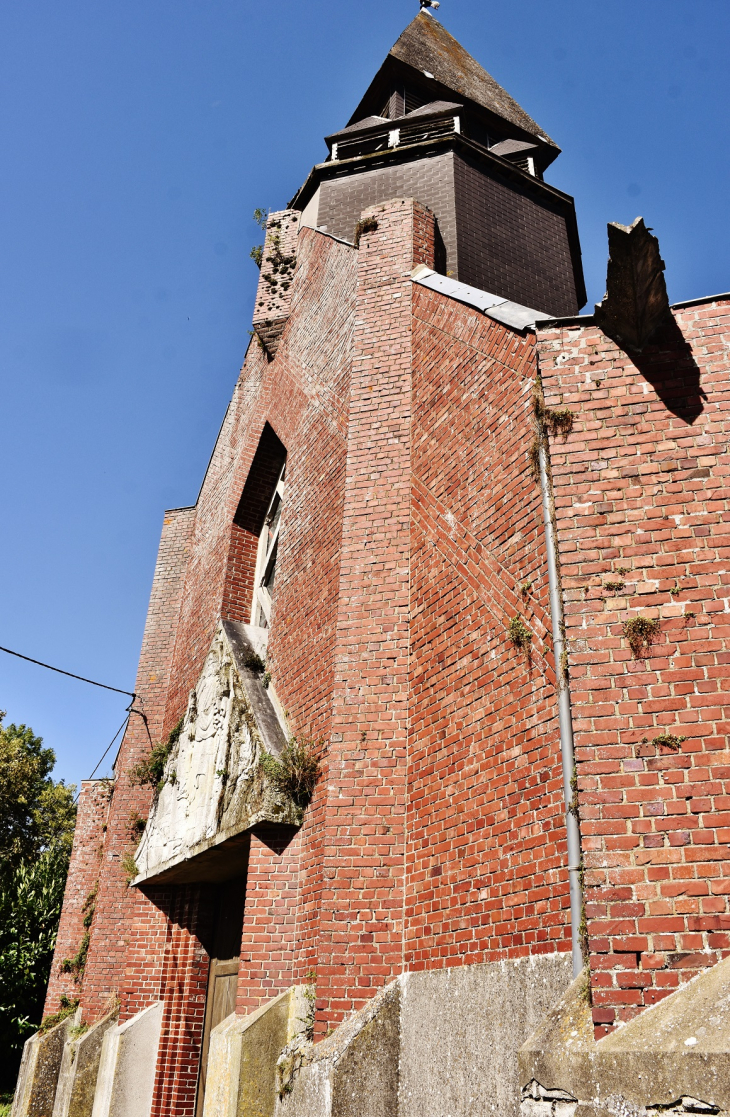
{"x":434,"y":125}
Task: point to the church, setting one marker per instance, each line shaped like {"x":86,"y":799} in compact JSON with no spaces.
{"x":423,"y":805}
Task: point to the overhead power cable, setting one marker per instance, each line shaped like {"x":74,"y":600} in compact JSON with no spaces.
{"x":60,"y":671}
{"x":121,"y":729}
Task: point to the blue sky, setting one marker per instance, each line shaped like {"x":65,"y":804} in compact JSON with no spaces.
{"x":137,"y":139}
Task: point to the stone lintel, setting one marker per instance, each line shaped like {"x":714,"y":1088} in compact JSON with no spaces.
{"x":215,"y":790}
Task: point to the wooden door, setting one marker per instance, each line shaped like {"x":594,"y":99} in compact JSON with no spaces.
{"x":220,"y":999}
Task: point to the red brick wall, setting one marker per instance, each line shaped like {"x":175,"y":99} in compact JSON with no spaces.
{"x":486,"y":836}
{"x":240,"y":571}
{"x":361,"y":920}
{"x":269,"y":920}
{"x":274,"y":294}
{"x":641,"y":495}
{"x":300,"y":394}
{"x":119,"y":910}
{"x":182,"y":989}
{"x":82,"y":881}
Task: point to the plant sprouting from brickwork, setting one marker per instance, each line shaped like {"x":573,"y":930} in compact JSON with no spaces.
{"x":260,"y":216}
{"x":559,"y":420}
{"x":128,"y":866}
{"x":67,"y":1007}
{"x":641,"y":632}
{"x":364,"y":225}
{"x":669,"y":740}
{"x":136,"y":826}
{"x":296,"y":771}
{"x":151,"y":770}
{"x":77,"y":964}
{"x":520,"y":634}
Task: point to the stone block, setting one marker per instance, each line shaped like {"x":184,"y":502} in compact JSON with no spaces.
{"x":127,"y":1066}
{"x":461,"y":1030}
{"x":242,"y":1059}
{"x":672,"y":1058}
{"x":355,"y":1070}
{"x":80,"y":1069}
{"x":35,"y":1092}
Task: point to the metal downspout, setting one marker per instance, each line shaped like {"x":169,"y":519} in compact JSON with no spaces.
{"x":565,"y":716}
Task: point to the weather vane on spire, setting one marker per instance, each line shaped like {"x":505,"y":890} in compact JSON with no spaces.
{"x":430,"y":4}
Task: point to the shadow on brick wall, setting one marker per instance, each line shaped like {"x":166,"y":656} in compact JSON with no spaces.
{"x":667,"y":363}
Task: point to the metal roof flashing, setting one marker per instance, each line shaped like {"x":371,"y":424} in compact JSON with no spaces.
{"x":502,"y":310}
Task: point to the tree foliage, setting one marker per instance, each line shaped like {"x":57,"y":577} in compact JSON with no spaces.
{"x":37,"y":816}
{"x":36,"y":812}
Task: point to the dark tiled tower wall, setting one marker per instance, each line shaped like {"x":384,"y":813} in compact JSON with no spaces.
{"x":430,"y":180}
{"x":513,"y":242}
{"x":499,"y":236}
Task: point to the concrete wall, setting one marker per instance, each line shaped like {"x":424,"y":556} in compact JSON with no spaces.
{"x":443,"y":1042}
{"x":242,"y":1068}
{"x":35,"y":1091}
{"x":127,"y":1067}
{"x":79,"y":1070}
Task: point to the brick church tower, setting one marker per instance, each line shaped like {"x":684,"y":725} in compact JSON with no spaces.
{"x":422,"y":803}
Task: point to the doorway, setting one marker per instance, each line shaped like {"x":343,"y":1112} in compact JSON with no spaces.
{"x":225,"y":959}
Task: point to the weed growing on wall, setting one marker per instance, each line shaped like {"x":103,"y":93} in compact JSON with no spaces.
{"x":641,"y":632}
{"x":151,"y":770}
{"x":669,"y":740}
{"x":128,"y":866}
{"x":77,"y":964}
{"x":520,"y":634}
{"x":295,"y":772}
{"x":558,"y":420}
{"x":68,"y":1007}
{"x":260,"y":216}
{"x":364,"y":225}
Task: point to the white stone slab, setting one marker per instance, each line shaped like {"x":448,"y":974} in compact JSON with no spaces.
{"x":127,"y":1067}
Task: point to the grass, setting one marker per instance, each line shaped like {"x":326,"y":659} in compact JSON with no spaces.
{"x":295,"y":772}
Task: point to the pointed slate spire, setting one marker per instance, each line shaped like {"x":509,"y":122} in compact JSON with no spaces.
{"x":428,"y":48}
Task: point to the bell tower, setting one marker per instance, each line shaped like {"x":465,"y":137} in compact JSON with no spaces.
{"x":434,"y":125}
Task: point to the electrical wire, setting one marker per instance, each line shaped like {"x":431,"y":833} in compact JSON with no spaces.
{"x":129,"y":693}
{"x":122,"y":727}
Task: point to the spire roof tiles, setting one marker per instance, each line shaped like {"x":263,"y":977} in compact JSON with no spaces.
{"x":427,"y":46}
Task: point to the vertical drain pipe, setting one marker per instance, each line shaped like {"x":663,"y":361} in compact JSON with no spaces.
{"x":565,"y":717}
